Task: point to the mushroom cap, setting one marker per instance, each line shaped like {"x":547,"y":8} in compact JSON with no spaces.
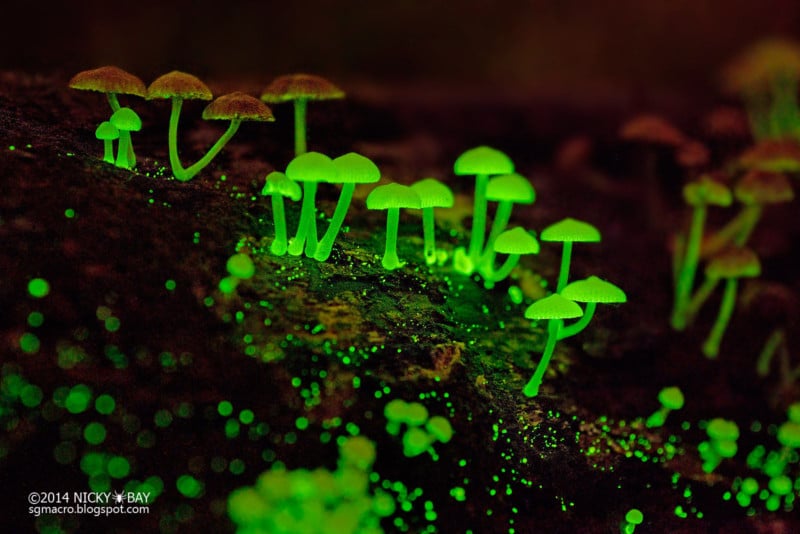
{"x":789,"y":435}
{"x":393,"y":196}
{"x":634,"y":516}
{"x":106,"y":131}
{"x":239,"y":106}
{"x":763,"y":187}
{"x":553,"y":307}
{"x":108,"y":79}
{"x":651,"y":128}
{"x":734,"y":263}
{"x":415,"y":414}
{"x":671,"y":397}
{"x":722,"y":430}
{"x":726,"y":122}
{"x":440,"y":428}
{"x":511,"y":188}
{"x":278,"y":184}
{"x":707,"y":191}
{"x":570,"y":229}
{"x":692,"y":154}
{"x":516,"y":241}
{"x":793,"y":412}
{"x":296,"y":86}
{"x":594,"y":289}
{"x":125,"y":119}
{"x":395,"y":410}
{"x":177,"y":84}
{"x":776,"y":155}
{"x":760,"y":64}
{"x":356,"y":169}
{"x":312,"y":167}
{"x":433,"y":193}
{"x":483,"y":160}
{"x":357,"y":451}
{"x":241,"y":266}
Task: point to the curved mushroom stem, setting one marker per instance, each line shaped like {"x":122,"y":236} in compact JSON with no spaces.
{"x":429,"y":235}
{"x":326,"y":243}
{"x":774,"y":342}
{"x":566,"y":258}
{"x":553,"y":329}
{"x":708,"y":286}
{"x":108,"y":151}
{"x":491,"y":276}
{"x":172,"y":141}
{"x":711,"y":345}
{"x":123,"y":150}
{"x":737,"y":230}
{"x":478,"y":218}
{"x":688,"y":268}
{"x":278,"y":246}
{"x":308,"y":218}
{"x":501,"y":218}
{"x":578,"y":326}
{"x":213,"y":151}
{"x":300,"y":106}
{"x":751,"y":215}
{"x":113,"y":101}
{"x":390,"y":260}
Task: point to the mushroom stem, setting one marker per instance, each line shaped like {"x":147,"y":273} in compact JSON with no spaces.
{"x":478,"y":218}
{"x":308,"y":219}
{"x":326,"y":243}
{"x":172,"y":140}
{"x":688,"y":268}
{"x":279,"y":245}
{"x":213,"y":151}
{"x":725,"y":235}
{"x":113,"y":101}
{"x":774,"y":341}
{"x":751,"y":215}
{"x":491,"y":276}
{"x":553,"y":329}
{"x":300,"y":106}
{"x":711,"y":345}
{"x":108,"y":152}
{"x":700,"y":297}
{"x":501,"y":218}
{"x":563,"y":273}
{"x":123,"y":150}
{"x":429,"y":235}
{"x":578,"y":326}
{"x":390,"y":260}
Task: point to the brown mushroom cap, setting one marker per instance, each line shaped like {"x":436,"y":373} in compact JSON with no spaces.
{"x":726,"y":122}
{"x":763,"y":187}
{"x":177,"y":84}
{"x":707,"y":191}
{"x":238,"y":105}
{"x":761,"y":63}
{"x":296,"y":86}
{"x":108,"y":79}
{"x":651,"y":128}
{"x":734,"y":263}
{"x":692,"y":154}
{"x":777,"y":155}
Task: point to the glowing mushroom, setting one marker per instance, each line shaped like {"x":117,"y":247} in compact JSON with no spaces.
{"x":507,"y":190}
{"x":278,"y":186}
{"x":515,"y":243}
{"x":569,"y":231}
{"x":107,"y":133}
{"x":433,"y":194}
{"x":110,"y":80}
{"x":592,"y":291}
{"x":126,"y":121}
{"x":310,"y":168}
{"x":392,"y":197}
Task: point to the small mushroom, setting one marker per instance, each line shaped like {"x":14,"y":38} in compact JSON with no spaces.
{"x":481,"y":162}
{"x":671,"y":399}
{"x":310,"y":168}
{"x":507,"y":190}
{"x":433,"y":194}
{"x":392,"y":197}
{"x":300,"y":88}
{"x":107,"y":133}
{"x":126,"y":121}
{"x":774,"y":155}
{"x":554,"y":309}
{"x":515,"y":243}
{"x":277,"y":186}
{"x":568,"y":231}
{"x":352,"y":169}
{"x":110,"y":80}
{"x":592,"y":291}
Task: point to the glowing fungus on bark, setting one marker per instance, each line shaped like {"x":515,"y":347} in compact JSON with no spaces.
{"x":569,"y":231}
{"x":671,"y":399}
{"x":433,"y":194}
{"x":277,"y":186}
{"x":126,"y":121}
{"x":107,"y":133}
{"x":592,"y":291}
{"x":515,"y":243}
{"x":310,"y":169}
{"x":506,"y":190}
{"x":392,"y":197}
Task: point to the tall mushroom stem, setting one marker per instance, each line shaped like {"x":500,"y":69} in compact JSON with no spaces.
{"x":566,"y":259}
{"x":699,"y":298}
{"x":308,"y":218}
{"x":553,"y":329}
{"x":279,"y":245}
{"x":123,"y":150}
{"x":108,"y":151}
{"x":390,"y":259}
{"x":578,"y":326}
{"x":501,"y":218}
{"x":326,"y":243}
{"x":478,"y":219}
{"x":214,"y":150}
{"x":491,"y":276}
{"x":300,"y":106}
{"x":688,"y":268}
{"x":113,"y":101}
{"x":429,"y":235}
{"x":711,"y":345}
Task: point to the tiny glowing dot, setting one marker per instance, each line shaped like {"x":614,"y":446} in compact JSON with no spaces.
{"x":170,"y":285}
{"x":38,"y":287}
{"x":35,"y":319}
{"x":69,"y":213}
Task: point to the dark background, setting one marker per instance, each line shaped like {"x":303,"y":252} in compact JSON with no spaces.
{"x":669,"y":43}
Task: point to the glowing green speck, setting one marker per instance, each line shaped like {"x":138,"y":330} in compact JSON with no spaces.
{"x":162,"y":418}
{"x":29,"y":343}
{"x":119,"y":467}
{"x":69,"y":213}
{"x":94,"y":433}
{"x":301,"y":423}
{"x":35,"y":319}
{"x":105,"y":404}
{"x":189,"y":486}
{"x":112,"y":324}
{"x":170,"y":285}
{"x":77,"y":401}
{"x":38,"y":287}
{"x":225,"y":408}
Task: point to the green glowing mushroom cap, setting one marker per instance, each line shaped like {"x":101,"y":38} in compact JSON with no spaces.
{"x":671,"y":397}
{"x":734,"y":263}
{"x":125,"y":119}
{"x":177,"y":84}
{"x":511,"y":188}
{"x":106,"y":131}
{"x":516,"y":241}
{"x":356,"y":169}
{"x":763,"y":187}
{"x":241,"y":266}
{"x":651,"y":128}
{"x":393,"y":196}
{"x":553,"y":307}
{"x":594,"y":289}
{"x":634,"y":516}
{"x":776,"y":155}
{"x":707,"y":191}
{"x":726,"y":448}
{"x":789,"y":435}
{"x":239,"y":106}
{"x":108,"y":79}
{"x":433,"y":193}
{"x":572,"y":230}
{"x":416,"y":414}
{"x":312,"y":167}
{"x":300,"y":86}
{"x":440,"y":428}
{"x":357,"y":451}
{"x":483,"y":160}
{"x":278,"y":184}
{"x":793,"y":412}
{"x":722,"y":430}
{"x":416,"y":441}
{"x":395,"y":410}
